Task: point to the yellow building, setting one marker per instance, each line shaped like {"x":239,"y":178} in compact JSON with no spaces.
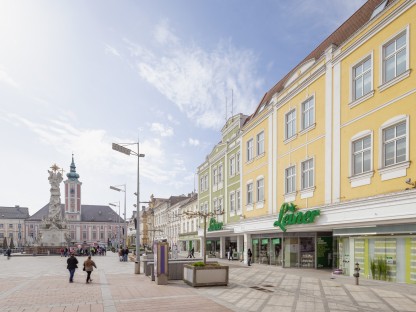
{"x":331,"y":144}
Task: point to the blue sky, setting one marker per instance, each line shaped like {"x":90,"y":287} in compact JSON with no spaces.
{"x":76,"y":76}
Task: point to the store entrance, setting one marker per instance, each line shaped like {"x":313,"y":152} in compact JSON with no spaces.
{"x":267,"y":250}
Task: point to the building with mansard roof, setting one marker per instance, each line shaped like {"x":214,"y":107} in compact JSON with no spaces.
{"x":12,"y":220}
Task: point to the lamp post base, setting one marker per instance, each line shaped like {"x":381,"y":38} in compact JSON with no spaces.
{"x":137,"y":267}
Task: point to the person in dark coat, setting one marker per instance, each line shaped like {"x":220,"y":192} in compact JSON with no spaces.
{"x":89,"y":266}
{"x":249,"y":255}
{"x":71,"y":266}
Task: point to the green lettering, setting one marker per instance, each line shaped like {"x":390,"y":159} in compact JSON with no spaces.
{"x":306,"y":217}
{"x":314,"y":213}
{"x":299,"y":217}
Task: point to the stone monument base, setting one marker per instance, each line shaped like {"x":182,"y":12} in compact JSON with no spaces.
{"x":54,"y":237}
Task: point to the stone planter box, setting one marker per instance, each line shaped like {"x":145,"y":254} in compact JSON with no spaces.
{"x":205,"y":276}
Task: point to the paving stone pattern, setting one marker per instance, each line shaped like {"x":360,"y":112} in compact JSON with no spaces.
{"x":41,"y":284}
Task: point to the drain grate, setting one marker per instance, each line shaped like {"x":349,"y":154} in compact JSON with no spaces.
{"x":261,"y":289}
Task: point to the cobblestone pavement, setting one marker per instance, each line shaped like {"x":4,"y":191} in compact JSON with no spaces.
{"x":41,"y":284}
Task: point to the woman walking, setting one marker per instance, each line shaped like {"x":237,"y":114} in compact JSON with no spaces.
{"x":89,"y":267}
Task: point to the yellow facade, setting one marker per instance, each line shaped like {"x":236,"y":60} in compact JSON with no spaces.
{"x":305,"y":144}
{"x":257,"y":169}
{"x":383,"y":105}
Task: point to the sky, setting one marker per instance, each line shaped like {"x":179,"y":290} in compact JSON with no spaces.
{"x":77,"y":76}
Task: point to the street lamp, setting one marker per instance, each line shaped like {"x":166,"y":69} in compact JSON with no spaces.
{"x":117,"y":204}
{"x":127,"y":151}
{"x":116,"y":188}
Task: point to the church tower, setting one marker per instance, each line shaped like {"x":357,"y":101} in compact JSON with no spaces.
{"x":73,"y":194}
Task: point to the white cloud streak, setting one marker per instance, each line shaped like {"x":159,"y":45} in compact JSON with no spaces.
{"x":161,"y":130}
{"x":111,"y":50}
{"x":198,"y":81}
{"x":7,"y":79}
{"x":193,"y":142}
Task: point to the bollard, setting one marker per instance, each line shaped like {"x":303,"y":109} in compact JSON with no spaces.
{"x":357,"y":273}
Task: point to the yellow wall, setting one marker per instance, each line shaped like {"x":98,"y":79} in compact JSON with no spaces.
{"x":304,"y":146}
{"x":258,"y":166}
{"x":370,"y":114}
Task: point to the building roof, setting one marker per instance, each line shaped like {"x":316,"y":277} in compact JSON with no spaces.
{"x":15,"y":212}
{"x":89,"y":213}
{"x":337,"y":38}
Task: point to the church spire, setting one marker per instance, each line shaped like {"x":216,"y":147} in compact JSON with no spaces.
{"x":73,"y":175}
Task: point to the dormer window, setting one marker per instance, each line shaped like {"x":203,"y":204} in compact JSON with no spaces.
{"x":378,"y":9}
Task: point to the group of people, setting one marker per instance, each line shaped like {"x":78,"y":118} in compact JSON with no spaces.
{"x":123,"y":254}
{"x":87,"y":251}
{"x":72,"y":265}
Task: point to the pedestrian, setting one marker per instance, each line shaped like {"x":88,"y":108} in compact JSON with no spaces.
{"x":120,"y":254}
{"x":192,"y":252}
{"x":249,"y":254}
{"x":230,"y":253}
{"x":71,"y":266}
{"x":89,"y":266}
{"x":126,"y":256}
{"x":189,"y":254}
{"x":8,"y":253}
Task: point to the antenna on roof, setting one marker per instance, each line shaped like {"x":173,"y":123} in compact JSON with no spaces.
{"x":226,"y":104}
{"x":232,"y":103}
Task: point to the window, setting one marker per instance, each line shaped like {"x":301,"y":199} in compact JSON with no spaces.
{"x":206,"y":181}
{"x":260,"y":143}
{"x":214,"y":174}
{"x":249,"y":149}
{"x":10,"y":235}
{"x":362,"y":77}
{"x":84,"y":235}
{"x":202,"y":184}
{"x":308,"y":113}
{"x":215,"y":204}
{"x":1,"y":235}
{"x":220,"y":174}
{"x":361,"y":155}
{"x":1,"y":225}
{"x":394,"y":57}
{"x":101,"y":235}
{"x":249,"y":193}
{"x":394,"y":144}
{"x":232,"y":202}
{"x":307,"y":174}
{"x":290,"y":124}
{"x":260,"y":190}
{"x":232,"y":166}
{"x":237,"y":200}
{"x":290,"y":177}
{"x":94,"y":235}
{"x":237,"y":164}
{"x":219,"y":209}
{"x":10,"y":226}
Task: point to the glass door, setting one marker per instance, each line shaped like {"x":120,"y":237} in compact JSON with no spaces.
{"x":255,"y":250}
{"x":307,"y":252}
{"x":291,"y":252}
{"x":264,"y":251}
{"x":275,"y":251}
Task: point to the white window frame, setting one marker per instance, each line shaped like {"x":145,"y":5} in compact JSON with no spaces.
{"x":232,"y":203}
{"x":215,"y":176}
{"x":237,"y":162}
{"x":304,"y":113}
{"x":232,"y":166}
{"x":354,"y":78}
{"x":383,"y":83}
{"x":394,"y":140}
{"x":260,"y":190}
{"x":260,"y":143}
{"x":292,"y":179}
{"x":250,"y":149}
{"x":290,"y":123}
{"x":309,"y":171}
{"x":220,"y":175}
{"x":366,"y":134}
{"x":238,"y":201}
{"x":249,"y":193}
{"x":398,"y":169}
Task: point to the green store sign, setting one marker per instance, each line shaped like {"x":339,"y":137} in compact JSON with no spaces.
{"x":214,"y":225}
{"x":289,"y":216}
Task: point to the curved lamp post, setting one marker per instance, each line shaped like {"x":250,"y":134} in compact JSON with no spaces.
{"x":127,"y":151}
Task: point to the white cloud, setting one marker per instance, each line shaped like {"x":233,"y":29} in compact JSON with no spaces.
{"x":199,"y":81}
{"x":5,"y":78}
{"x":111,"y":50}
{"x":160,"y":129}
{"x":193,"y":142}
{"x":163,"y":34}
{"x":173,"y":120}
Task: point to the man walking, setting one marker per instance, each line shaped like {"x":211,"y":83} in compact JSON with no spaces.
{"x":71,"y":266}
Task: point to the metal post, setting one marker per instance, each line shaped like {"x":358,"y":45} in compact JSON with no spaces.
{"x":137,"y":264}
{"x":125,"y":224}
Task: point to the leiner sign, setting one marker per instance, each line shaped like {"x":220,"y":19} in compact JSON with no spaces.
{"x":289,"y":216}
